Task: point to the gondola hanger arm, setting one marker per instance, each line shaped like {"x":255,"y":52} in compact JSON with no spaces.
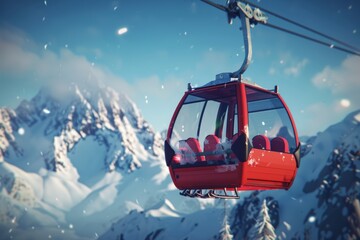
{"x":248,"y":16}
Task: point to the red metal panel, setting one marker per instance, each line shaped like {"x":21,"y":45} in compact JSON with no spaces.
{"x":243,"y":122}
{"x":242,"y":109}
{"x":206,"y":177}
{"x":269,"y":169}
{"x":263,"y":170}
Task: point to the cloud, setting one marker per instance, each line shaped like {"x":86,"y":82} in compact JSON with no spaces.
{"x":342,"y":84}
{"x":341,"y":80}
{"x":295,"y":69}
{"x":288,"y":65}
{"x":13,"y":58}
{"x":27,"y":61}
{"x":318,"y":116}
{"x":24,"y":61}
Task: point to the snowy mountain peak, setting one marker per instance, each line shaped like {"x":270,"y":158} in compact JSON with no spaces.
{"x":75,"y":152}
{"x":357,"y":117}
{"x":65,"y":119}
{"x":163,"y":208}
{"x":353,"y":117}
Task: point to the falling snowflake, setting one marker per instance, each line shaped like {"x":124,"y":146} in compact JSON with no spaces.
{"x":345,"y":103}
{"x":122,"y":31}
{"x":312,"y":219}
{"x":21,"y":131}
{"x":46,"y":111}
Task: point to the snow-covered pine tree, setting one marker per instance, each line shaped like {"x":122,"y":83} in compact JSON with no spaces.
{"x":263,"y":229}
{"x":225,"y":232}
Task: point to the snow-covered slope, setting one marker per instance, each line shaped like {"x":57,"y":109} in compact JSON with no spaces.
{"x":163,"y":222}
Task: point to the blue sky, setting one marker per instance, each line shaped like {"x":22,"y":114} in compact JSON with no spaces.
{"x":171,"y":43}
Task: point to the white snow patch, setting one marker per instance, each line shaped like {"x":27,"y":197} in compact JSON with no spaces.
{"x":162,"y":175}
{"x":109,"y":178}
{"x":62,"y":193}
{"x":166,"y":209}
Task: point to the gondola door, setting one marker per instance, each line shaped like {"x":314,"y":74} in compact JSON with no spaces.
{"x":271,"y":163}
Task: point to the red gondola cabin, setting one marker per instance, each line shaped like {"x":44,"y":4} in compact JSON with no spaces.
{"x":232,"y":136}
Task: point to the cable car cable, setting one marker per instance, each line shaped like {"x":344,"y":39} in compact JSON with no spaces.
{"x":231,"y":14}
{"x":311,"y":39}
{"x":303,"y":26}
